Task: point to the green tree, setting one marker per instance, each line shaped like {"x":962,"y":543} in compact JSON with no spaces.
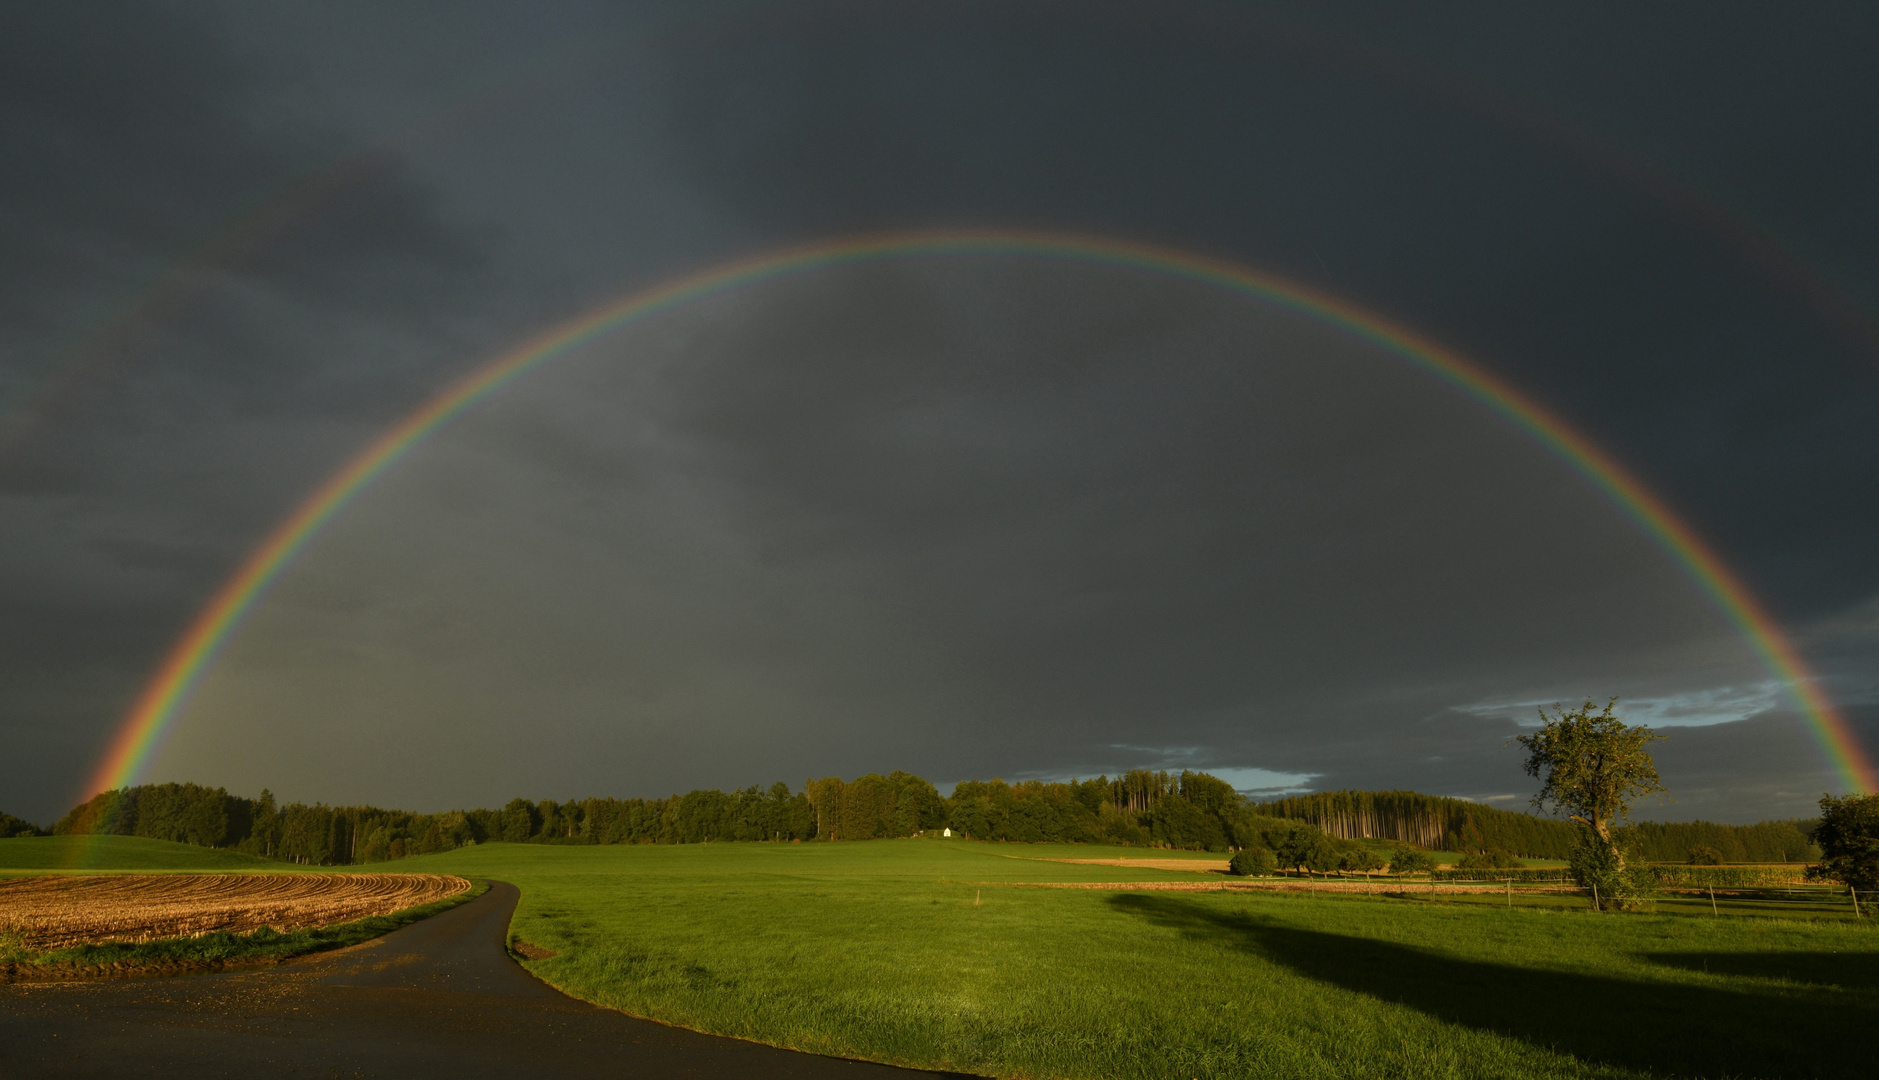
{"x":917,"y":804}
{"x":11,"y":826}
{"x":518,"y":820}
{"x":1848,"y":835}
{"x":1359,"y":858}
{"x":1704,"y":855}
{"x":1591,"y":766}
{"x":1307,"y":847}
{"x":1408,"y":860}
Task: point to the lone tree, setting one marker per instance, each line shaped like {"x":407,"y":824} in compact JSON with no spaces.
{"x":1591,"y":766}
{"x":1848,"y":835}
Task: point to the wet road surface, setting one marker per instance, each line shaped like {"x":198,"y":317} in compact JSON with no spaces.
{"x":438,"y":998}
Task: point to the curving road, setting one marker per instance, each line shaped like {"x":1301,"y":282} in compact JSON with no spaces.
{"x":437,"y":998}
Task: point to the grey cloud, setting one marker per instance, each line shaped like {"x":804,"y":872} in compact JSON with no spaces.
{"x":1146,"y":512}
{"x":176,"y":366}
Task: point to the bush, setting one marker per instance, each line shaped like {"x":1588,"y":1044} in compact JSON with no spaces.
{"x":1725,"y":877}
{"x":1491,"y":859}
{"x":1848,"y":835}
{"x":1253,"y":862}
{"x":1603,"y":868}
{"x":1704,"y":855}
{"x":1411,"y":860}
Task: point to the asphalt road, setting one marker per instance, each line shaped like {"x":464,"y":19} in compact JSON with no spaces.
{"x":438,"y":998}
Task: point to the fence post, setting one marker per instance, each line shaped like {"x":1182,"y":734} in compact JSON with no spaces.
{"x":1855,"y":894}
{"x":1712,"y":901}
{"x":1595,"y":896}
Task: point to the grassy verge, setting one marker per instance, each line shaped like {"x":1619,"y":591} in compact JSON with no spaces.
{"x":209,"y":952}
{"x":916,"y":952}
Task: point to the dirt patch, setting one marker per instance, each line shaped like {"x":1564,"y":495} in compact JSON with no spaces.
{"x":532,"y":952}
{"x":1197,"y":866}
{"x":1377,"y":888}
{"x":58,"y":912}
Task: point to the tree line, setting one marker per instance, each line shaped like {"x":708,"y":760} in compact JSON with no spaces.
{"x":1186,"y":810}
{"x":1447,"y":824}
{"x":11,"y":826}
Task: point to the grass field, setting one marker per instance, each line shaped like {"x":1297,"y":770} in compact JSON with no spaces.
{"x":936,"y":953}
{"x":30,"y":854}
{"x":927,"y":953}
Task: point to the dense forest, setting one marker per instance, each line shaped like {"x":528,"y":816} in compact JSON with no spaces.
{"x":1188,"y":810}
{"x":11,"y":826}
{"x":1433,"y":821}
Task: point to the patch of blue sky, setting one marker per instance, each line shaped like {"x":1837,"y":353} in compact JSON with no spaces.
{"x":1688,"y":708}
{"x":1249,"y":780}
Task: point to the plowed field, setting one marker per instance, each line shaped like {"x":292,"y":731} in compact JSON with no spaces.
{"x":57,"y":912}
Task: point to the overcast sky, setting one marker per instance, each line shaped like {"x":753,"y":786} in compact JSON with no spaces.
{"x":966,"y":516}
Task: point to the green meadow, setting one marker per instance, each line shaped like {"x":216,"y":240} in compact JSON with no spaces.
{"x":933,"y":953}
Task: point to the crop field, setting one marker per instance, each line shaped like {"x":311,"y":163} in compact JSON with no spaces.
{"x":935,"y":953}
{"x":53,"y":912}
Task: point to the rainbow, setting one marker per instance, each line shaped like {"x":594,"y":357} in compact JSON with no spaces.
{"x":162,"y":698}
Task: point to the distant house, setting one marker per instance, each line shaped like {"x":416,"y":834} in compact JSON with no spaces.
{"x":946,"y":832}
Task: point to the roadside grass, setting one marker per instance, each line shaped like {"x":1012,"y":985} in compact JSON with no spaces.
{"x":130,"y":854}
{"x":931,"y":953}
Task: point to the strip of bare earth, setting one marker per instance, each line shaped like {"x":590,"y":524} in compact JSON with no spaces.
{"x":67,"y":929}
{"x":1197,"y":866}
{"x":1378,"y":888}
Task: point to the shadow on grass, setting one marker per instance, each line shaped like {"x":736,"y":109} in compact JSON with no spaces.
{"x":1847,"y":970}
{"x":1664,"y":1027}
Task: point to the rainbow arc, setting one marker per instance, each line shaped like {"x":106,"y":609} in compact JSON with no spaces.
{"x":162,"y":699}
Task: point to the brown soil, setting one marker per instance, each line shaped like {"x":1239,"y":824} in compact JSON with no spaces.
{"x":1378,"y":888}
{"x":532,"y":952}
{"x":1198,"y":866}
{"x":57,"y":912}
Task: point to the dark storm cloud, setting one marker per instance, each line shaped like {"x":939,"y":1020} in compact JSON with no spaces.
{"x":870,"y":552}
{"x":176,"y":367}
{"x":1314,"y":147}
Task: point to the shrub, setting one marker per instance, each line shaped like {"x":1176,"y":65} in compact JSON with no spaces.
{"x":1704,"y":855}
{"x":1602,"y":867}
{"x":1491,"y":859}
{"x":1725,"y":877}
{"x":1253,"y":862}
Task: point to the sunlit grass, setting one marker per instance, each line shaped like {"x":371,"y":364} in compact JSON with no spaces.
{"x":928,"y":953}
